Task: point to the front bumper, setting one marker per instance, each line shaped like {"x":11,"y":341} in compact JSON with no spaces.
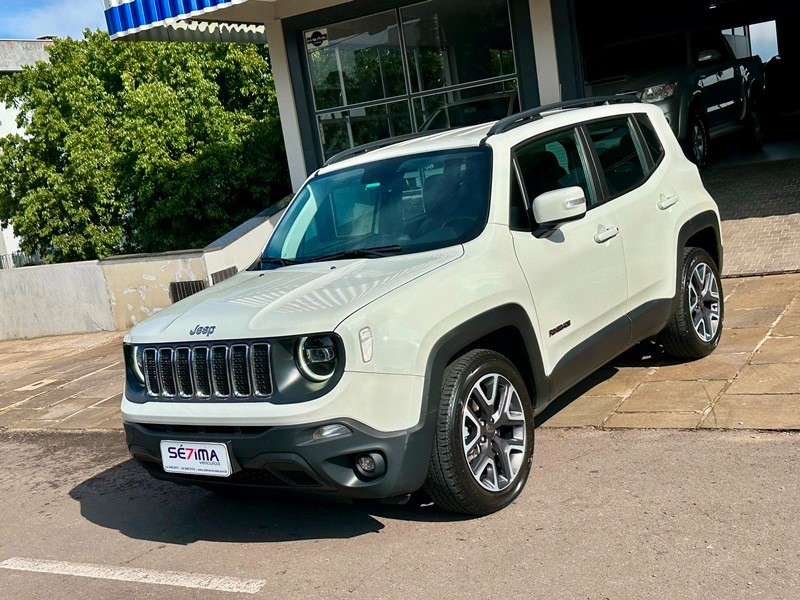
{"x":287,"y":458}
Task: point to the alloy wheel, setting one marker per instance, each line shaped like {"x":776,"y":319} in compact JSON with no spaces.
{"x":494,"y":433}
{"x":704,"y":304}
{"x":698,"y":142}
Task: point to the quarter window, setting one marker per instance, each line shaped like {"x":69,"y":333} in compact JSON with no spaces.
{"x":651,"y":138}
{"x":621,"y":160}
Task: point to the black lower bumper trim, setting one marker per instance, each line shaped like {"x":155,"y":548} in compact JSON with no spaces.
{"x":289,"y":458}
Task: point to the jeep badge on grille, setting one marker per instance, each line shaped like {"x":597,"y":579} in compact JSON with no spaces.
{"x":201,"y":330}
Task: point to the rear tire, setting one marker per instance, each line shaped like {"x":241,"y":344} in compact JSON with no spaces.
{"x":484,"y":436}
{"x":697,"y":140}
{"x":694,"y":330}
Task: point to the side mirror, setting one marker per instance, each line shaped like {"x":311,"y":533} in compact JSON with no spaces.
{"x":709,"y":56}
{"x":558,"y":206}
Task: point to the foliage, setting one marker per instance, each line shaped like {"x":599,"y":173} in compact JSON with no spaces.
{"x":139,"y":146}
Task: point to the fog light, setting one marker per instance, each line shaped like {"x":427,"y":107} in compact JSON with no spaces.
{"x":370,"y":465}
{"x":333,"y":430}
{"x":366,"y":463}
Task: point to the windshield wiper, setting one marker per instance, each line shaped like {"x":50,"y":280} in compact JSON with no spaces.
{"x":283,"y":262}
{"x":376,"y":252}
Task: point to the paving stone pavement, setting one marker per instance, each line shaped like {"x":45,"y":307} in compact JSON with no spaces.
{"x":752,"y":381}
{"x":62,"y":382}
{"x":760,"y":208}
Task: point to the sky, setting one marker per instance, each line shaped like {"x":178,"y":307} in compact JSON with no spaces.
{"x":30,"y":19}
{"x":763,"y":40}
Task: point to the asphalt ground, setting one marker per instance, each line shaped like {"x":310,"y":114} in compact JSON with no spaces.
{"x":606,"y":514}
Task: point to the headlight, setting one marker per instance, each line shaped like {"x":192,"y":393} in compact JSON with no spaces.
{"x":137,"y":362}
{"x":316,"y":358}
{"x":659,"y":93}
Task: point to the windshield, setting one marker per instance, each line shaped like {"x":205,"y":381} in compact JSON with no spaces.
{"x":638,"y":57}
{"x":395,"y":206}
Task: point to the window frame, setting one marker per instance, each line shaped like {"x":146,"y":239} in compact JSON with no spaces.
{"x":595,"y":176}
{"x":592,"y":179}
{"x":641,"y":147}
{"x":653,"y":164}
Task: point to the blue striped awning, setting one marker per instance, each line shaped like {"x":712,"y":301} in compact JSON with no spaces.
{"x":128,"y":17}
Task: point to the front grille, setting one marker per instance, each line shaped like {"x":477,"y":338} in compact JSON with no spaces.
{"x":222,"y":371}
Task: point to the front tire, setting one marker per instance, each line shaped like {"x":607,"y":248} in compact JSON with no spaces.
{"x":754,"y":134}
{"x":484,"y":436}
{"x":694,"y":330}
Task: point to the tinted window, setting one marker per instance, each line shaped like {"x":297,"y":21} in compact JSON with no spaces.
{"x":712,"y":47}
{"x":552,"y":163}
{"x":620,"y":159}
{"x":472,"y":112}
{"x":650,"y":138}
{"x":638,"y":56}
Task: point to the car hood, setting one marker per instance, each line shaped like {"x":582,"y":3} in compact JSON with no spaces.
{"x":294,"y":300}
{"x":636,"y":82}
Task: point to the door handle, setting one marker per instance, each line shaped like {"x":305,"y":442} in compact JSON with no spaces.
{"x":603,"y":235}
{"x":667,"y":201}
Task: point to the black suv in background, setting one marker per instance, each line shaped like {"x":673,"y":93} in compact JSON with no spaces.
{"x":694,"y":77}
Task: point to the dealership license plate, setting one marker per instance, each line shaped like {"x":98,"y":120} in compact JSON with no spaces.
{"x":195,"y":458}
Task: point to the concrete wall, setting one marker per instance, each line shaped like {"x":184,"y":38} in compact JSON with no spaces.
{"x":54,"y":300}
{"x":138,"y":286}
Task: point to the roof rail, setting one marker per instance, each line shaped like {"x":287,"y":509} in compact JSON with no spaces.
{"x":364,"y":148}
{"x":534,"y":114}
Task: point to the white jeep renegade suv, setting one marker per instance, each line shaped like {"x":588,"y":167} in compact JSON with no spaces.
{"x":419,"y":303}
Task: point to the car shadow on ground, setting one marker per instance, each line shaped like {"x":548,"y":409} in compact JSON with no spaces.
{"x":644,"y":354}
{"x":125,"y":498}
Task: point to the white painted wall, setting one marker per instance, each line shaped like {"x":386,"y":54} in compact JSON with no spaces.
{"x":286,"y":105}
{"x":544,"y":47}
{"x":7,"y":120}
{"x":244,"y":249}
{"x":8,"y":242}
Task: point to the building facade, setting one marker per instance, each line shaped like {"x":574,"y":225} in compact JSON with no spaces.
{"x":14,"y":54}
{"x":348,"y":72}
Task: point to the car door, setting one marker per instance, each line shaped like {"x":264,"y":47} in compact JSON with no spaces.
{"x":576,"y":271}
{"x":717,"y":77}
{"x":646,"y":204}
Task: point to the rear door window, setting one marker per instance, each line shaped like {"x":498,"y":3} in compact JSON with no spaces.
{"x":621,"y":159}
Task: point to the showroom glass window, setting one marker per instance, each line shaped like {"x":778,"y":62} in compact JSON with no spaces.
{"x":429,"y":65}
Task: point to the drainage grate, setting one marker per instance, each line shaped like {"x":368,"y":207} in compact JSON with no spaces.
{"x":223,"y":275}
{"x":178,"y":290}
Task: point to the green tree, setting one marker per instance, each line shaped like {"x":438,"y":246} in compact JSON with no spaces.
{"x":139,"y":146}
